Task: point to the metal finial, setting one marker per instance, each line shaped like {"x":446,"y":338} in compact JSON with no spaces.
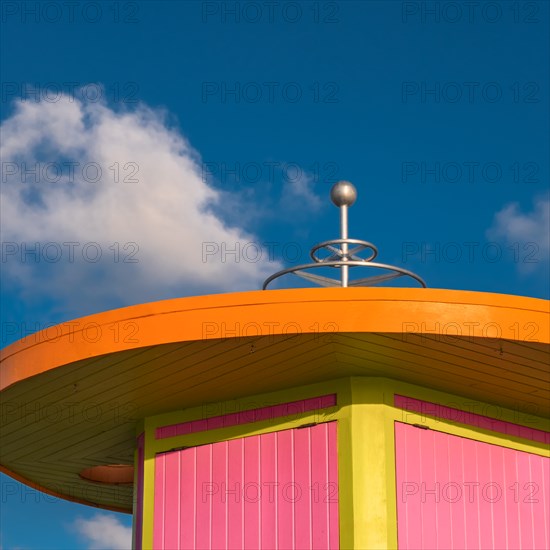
{"x":343,"y":194}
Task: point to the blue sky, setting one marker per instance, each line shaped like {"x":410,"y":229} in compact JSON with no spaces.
{"x":157,"y":137}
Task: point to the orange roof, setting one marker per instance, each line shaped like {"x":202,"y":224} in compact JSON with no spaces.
{"x":156,"y":357}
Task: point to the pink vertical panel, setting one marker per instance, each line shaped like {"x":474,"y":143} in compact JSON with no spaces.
{"x":272,"y":491}
{"x":269,"y":502}
{"x":484,"y":495}
{"x":252,"y":508}
{"x":525,"y":504}
{"x":160,"y":501}
{"x":454,"y":492}
{"x":539,"y":500}
{"x":471,"y":493}
{"x":442,"y":479}
{"x":285,"y":489}
{"x":513,"y":523}
{"x":232,"y":493}
{"x":497,"y":495}
{"x":324,"y":490}
{"x":301,"y":490}
{"x":138,"y":528}
{"x":171,"y":511}
{"x":203,"y":505}
{"x":429,"y":491}
{"x":188,"y":499}
{"x":213,"y":486}
{"x":332,"y":485}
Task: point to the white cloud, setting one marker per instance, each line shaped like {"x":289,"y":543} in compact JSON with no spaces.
{"x":168,"y":211}
{"x":528,"y":233}
{"x":104,"y":532}
{"x":298,"y":192}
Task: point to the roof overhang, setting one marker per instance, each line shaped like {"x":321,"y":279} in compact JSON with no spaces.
{"x":72,"y":394}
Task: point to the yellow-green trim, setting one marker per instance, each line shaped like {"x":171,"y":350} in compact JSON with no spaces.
{"x":366,"y":418}
{"x":372,"y":447}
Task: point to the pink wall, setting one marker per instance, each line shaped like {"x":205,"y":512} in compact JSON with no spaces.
{"x":454,"y":492}
{"x":272,"y":491}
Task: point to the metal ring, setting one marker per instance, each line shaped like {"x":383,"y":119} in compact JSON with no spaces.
{"x":351,"y":263}
{"x":364,"y":245}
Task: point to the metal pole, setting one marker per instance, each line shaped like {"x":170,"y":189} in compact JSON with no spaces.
{"x":344,"y":235}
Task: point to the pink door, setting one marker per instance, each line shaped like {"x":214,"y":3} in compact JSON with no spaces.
{"x":454,"y":492}
{"x":271,"y":491}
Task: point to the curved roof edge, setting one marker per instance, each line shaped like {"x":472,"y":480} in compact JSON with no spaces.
{"x":391,"y":310}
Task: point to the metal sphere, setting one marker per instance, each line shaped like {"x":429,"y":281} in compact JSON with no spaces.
{"x":343,"y":193}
